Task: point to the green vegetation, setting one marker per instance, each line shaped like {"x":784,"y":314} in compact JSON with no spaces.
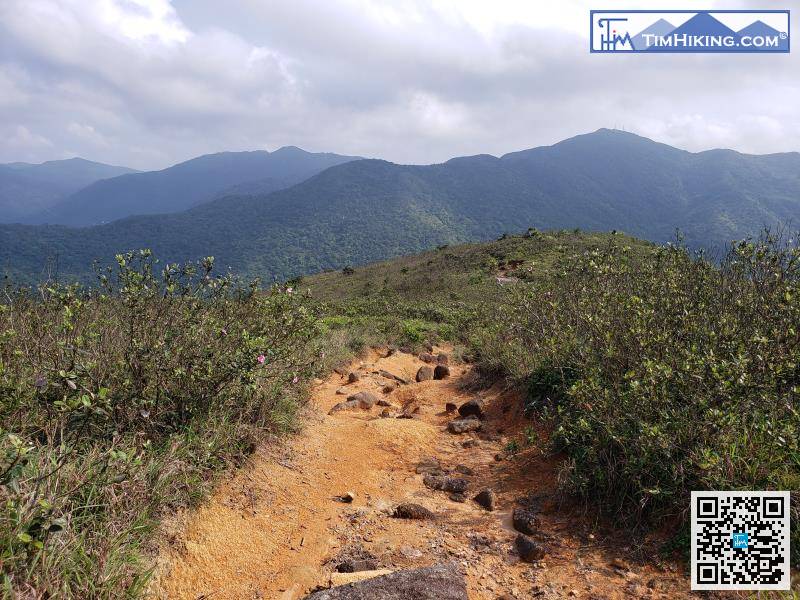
{"x":119,"y":404}
{"x":658,"y":370}
{"x":371,"y":210}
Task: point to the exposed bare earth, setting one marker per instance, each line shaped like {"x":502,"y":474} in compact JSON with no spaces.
{"x":274,"y":529}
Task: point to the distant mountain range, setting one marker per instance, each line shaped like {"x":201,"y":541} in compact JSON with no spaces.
{"x":187,"y":184}
{"x":367,"y":210}
{"x":28,"y":190}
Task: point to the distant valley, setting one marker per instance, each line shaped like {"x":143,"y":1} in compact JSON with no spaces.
{"x":358,"y":211}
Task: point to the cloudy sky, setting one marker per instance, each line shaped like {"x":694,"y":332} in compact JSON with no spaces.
{"x":147,"y":83}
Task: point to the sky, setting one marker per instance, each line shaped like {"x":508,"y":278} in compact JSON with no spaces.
{"x":149,"y":83}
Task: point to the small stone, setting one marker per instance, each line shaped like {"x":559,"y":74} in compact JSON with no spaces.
{"x":386,"y":413}
{"x":366,"y":400}
{"x":470,"y":443}
{"x":342,"y":391}
{"x":388,"y":389}
{"x":464,"y":470}
{"x":383,"y":402}
{"x":441,"y":372}
{"x":450,"y":407}
{"x":487,"y":499}
{"x":443,"y":359}
{"x":528,"y":550}
{"x":426,"y":357}
{"x":353,"y":377}
{"x":409,"y":510}
{"x":463,"y":425}
{"x":525,"y":520}
{"x":346,"y":498}
{"x":445,"y":484}
{"x":456,"y":497}
{"x":499,"y":457}
{"x":472,"y":408}
{"x":389,"y":375}
{"x":424,"y":374}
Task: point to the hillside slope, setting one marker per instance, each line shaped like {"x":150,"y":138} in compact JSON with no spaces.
{"x":28,"y":189}
{"x":369,"y":210}
{"x":188,"y":184}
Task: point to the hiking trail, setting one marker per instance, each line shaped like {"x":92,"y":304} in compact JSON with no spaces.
{"x":278,"y":528}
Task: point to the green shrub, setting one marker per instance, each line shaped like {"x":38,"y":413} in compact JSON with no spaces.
{"x":663,"y":375}
{"x":119,"y":403}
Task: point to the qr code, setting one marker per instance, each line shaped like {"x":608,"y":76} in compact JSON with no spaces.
{"x":740,"y":540}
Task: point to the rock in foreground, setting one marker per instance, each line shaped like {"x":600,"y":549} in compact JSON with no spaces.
{"x":440,"y":582}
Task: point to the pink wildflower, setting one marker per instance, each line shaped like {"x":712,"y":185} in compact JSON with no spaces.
{"x":296,"y":379}
{"x":261,"y":359}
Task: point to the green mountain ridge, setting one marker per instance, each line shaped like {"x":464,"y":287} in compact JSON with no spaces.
{"x":188,"y":184}
{"x":368,"y":210}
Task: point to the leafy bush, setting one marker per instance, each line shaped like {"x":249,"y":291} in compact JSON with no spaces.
{"x":665,"y":374}
{"x":119,"y":403}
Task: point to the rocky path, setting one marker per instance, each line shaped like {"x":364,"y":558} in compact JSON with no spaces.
{"x":363,"y":490}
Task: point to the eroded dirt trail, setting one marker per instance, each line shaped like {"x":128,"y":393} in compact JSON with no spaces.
{"x":275,"y":528}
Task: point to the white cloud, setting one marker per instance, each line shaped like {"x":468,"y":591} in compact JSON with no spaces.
{"x":149,"y":82}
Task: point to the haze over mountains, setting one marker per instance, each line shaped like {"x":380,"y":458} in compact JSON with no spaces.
{"x":366,"y":210}
{"x":28,"y":190}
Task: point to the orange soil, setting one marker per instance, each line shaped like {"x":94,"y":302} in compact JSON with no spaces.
{"x":271,"y":528}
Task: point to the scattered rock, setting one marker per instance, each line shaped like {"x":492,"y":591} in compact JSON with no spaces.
{"x":439,"y":582}
{"x":470,"y":443}
{"x":427,"y":357}
{"x":388,"y":389}
{"x":342,"y":391}
{"x":425,"y":373}
{"x":441,"y":372}
{"x":499,"y":457}
{"x":525,"y":520}
{"x":443,"y":359}
{"x":460,"y":497}
{"x":347,"y":497}
{"x":463,"y":425}
{"x":409,"y":409}
{"x":528,"y":550}
{"x":450,"y":407}
{"x":349,"y":405}
{"x":487,"y":499}
{"x":353,"y":377}
{"x":386,"y":413}
{"x":383,"y":402}
{"x":354,"y":559}
{"x":389,"y":375}
{"x":341,"y":371}
{"x":366,"y":400}
{"x":472,"y":408}
{"x":446,"y":484}
{"x":409,"y":510}
{"x":464,"y":470}
{"x":409,"y":552}
{"x":428,"y":346}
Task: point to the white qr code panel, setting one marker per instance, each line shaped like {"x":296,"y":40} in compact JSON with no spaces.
{"x":740,"y":540}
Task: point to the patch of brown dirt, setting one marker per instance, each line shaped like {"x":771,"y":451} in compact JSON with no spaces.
{"x":272,"y":529}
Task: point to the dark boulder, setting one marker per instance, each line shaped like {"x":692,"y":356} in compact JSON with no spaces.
{"x":487,"y":499}
{"x":353,"y":377}
{"x":472,"y":408}
{"x":424,"y":374}
{"x":445,"y":484}
{"x":441,"y":372}
{"x":525,"y":520}
{"x":529,"y":550}
{"x":409,"y":510}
